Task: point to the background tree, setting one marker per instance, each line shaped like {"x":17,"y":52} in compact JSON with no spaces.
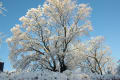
{"x":98,"y":59}
{"x":1,"y":12}
{"x":2,"y":8}
{"x":45,"y":37}
{"x":118,"y":68}
{"x":0,"y":38}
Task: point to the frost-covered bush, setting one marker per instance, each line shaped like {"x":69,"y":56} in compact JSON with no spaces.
{"x":4,"y":76}
{"x":79,"y":77}
{"x":50,"y":75}
{"x":40,"y":75}
{"x":105,"y":77}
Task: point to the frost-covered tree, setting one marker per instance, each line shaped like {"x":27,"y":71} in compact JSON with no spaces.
{"x":0,"y":38}
{"x":2,"y":8}
{"x":45,"y":38}
{"x":1,"y":12}
{"x":118,"y":68}
{"x":98,"y":59}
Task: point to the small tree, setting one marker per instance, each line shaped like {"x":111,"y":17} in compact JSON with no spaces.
{"x":98,"y":58}
{"x":45,"y":38}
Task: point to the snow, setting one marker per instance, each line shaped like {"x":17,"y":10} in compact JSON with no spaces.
{"x":49,"y":75}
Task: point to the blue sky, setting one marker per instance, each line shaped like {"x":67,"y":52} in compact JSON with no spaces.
{"x":105,"y":19}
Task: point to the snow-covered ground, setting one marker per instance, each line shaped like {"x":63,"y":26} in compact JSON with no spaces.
{"x":48,"y":75}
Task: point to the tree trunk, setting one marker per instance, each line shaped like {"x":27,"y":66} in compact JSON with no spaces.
{"x":63,"y":67}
